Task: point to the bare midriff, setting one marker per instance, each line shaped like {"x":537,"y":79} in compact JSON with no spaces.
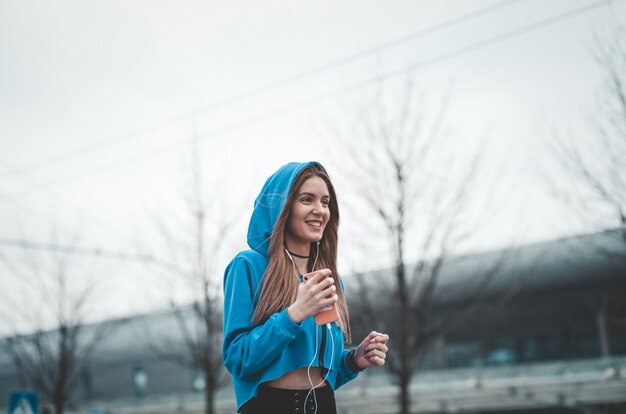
{"x":298,"y":379}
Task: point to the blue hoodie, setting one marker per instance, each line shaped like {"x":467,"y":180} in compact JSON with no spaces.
{"x":257,"y":354}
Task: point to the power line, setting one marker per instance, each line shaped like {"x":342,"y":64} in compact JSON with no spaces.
{"x":94,"y":252}
{"x":264,"y":88}
{"x":25,"y":208}
{"x":319,"y":98}
{"x":102,"y":224}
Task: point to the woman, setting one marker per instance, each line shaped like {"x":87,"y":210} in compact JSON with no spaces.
{"x":280,"y":360}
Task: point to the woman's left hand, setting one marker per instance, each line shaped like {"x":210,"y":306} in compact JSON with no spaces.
{"x":372,"y":351}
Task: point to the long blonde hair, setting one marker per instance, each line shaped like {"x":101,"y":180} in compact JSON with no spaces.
{"x":279,"y":284}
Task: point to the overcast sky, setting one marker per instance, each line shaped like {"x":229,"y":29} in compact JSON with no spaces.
{"x":99,"y":100}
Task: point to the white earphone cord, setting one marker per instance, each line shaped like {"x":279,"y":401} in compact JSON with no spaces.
{"x":332,"y":340}
{"x":332,"y":357}
{"x":295,"y":269}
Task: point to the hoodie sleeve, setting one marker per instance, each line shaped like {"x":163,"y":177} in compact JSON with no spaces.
{"x":345,"y":374}
{"x":249,"y":349}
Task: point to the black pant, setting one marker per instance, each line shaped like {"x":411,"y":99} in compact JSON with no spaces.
{"x":283,"y":401}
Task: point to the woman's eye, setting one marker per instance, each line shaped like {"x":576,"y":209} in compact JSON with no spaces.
{"x":325,"y":203}
{"x":305,"y":200}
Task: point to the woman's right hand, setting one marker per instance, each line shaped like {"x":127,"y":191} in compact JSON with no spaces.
{"x":313,"y":296}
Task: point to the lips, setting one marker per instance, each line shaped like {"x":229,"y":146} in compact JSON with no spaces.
{"x":314,"y":223}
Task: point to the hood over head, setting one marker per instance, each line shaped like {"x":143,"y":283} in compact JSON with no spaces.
{"x":269,"y":204}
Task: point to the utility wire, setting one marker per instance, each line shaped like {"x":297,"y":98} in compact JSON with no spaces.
{"x":25,"y":208}
{"x":38,"y":186}
{"x":84,"y":251}
{"x":269,"y":87}
{"x":319,"y":98}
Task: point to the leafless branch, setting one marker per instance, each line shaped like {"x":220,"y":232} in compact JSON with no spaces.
{"x":399,"y":162}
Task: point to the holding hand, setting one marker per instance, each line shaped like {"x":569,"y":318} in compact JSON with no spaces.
{"x":372,"y":351}
{"x":313,"y":296}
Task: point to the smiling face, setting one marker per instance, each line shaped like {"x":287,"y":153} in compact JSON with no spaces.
{"x":308,"y":216}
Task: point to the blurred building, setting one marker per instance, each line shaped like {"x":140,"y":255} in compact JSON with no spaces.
{"x":557,"y":344}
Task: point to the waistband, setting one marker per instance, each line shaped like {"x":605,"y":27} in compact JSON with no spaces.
{"x":282,"y":400}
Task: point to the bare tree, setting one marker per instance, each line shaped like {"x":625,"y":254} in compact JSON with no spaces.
{"x":593,"y":185}
{"x":596,"y":164}
{"x":194,"y":242}
{"x":55,"y":298}
{"x":398,"y":156}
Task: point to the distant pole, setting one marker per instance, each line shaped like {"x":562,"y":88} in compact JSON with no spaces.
{"x":603,"y":335}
